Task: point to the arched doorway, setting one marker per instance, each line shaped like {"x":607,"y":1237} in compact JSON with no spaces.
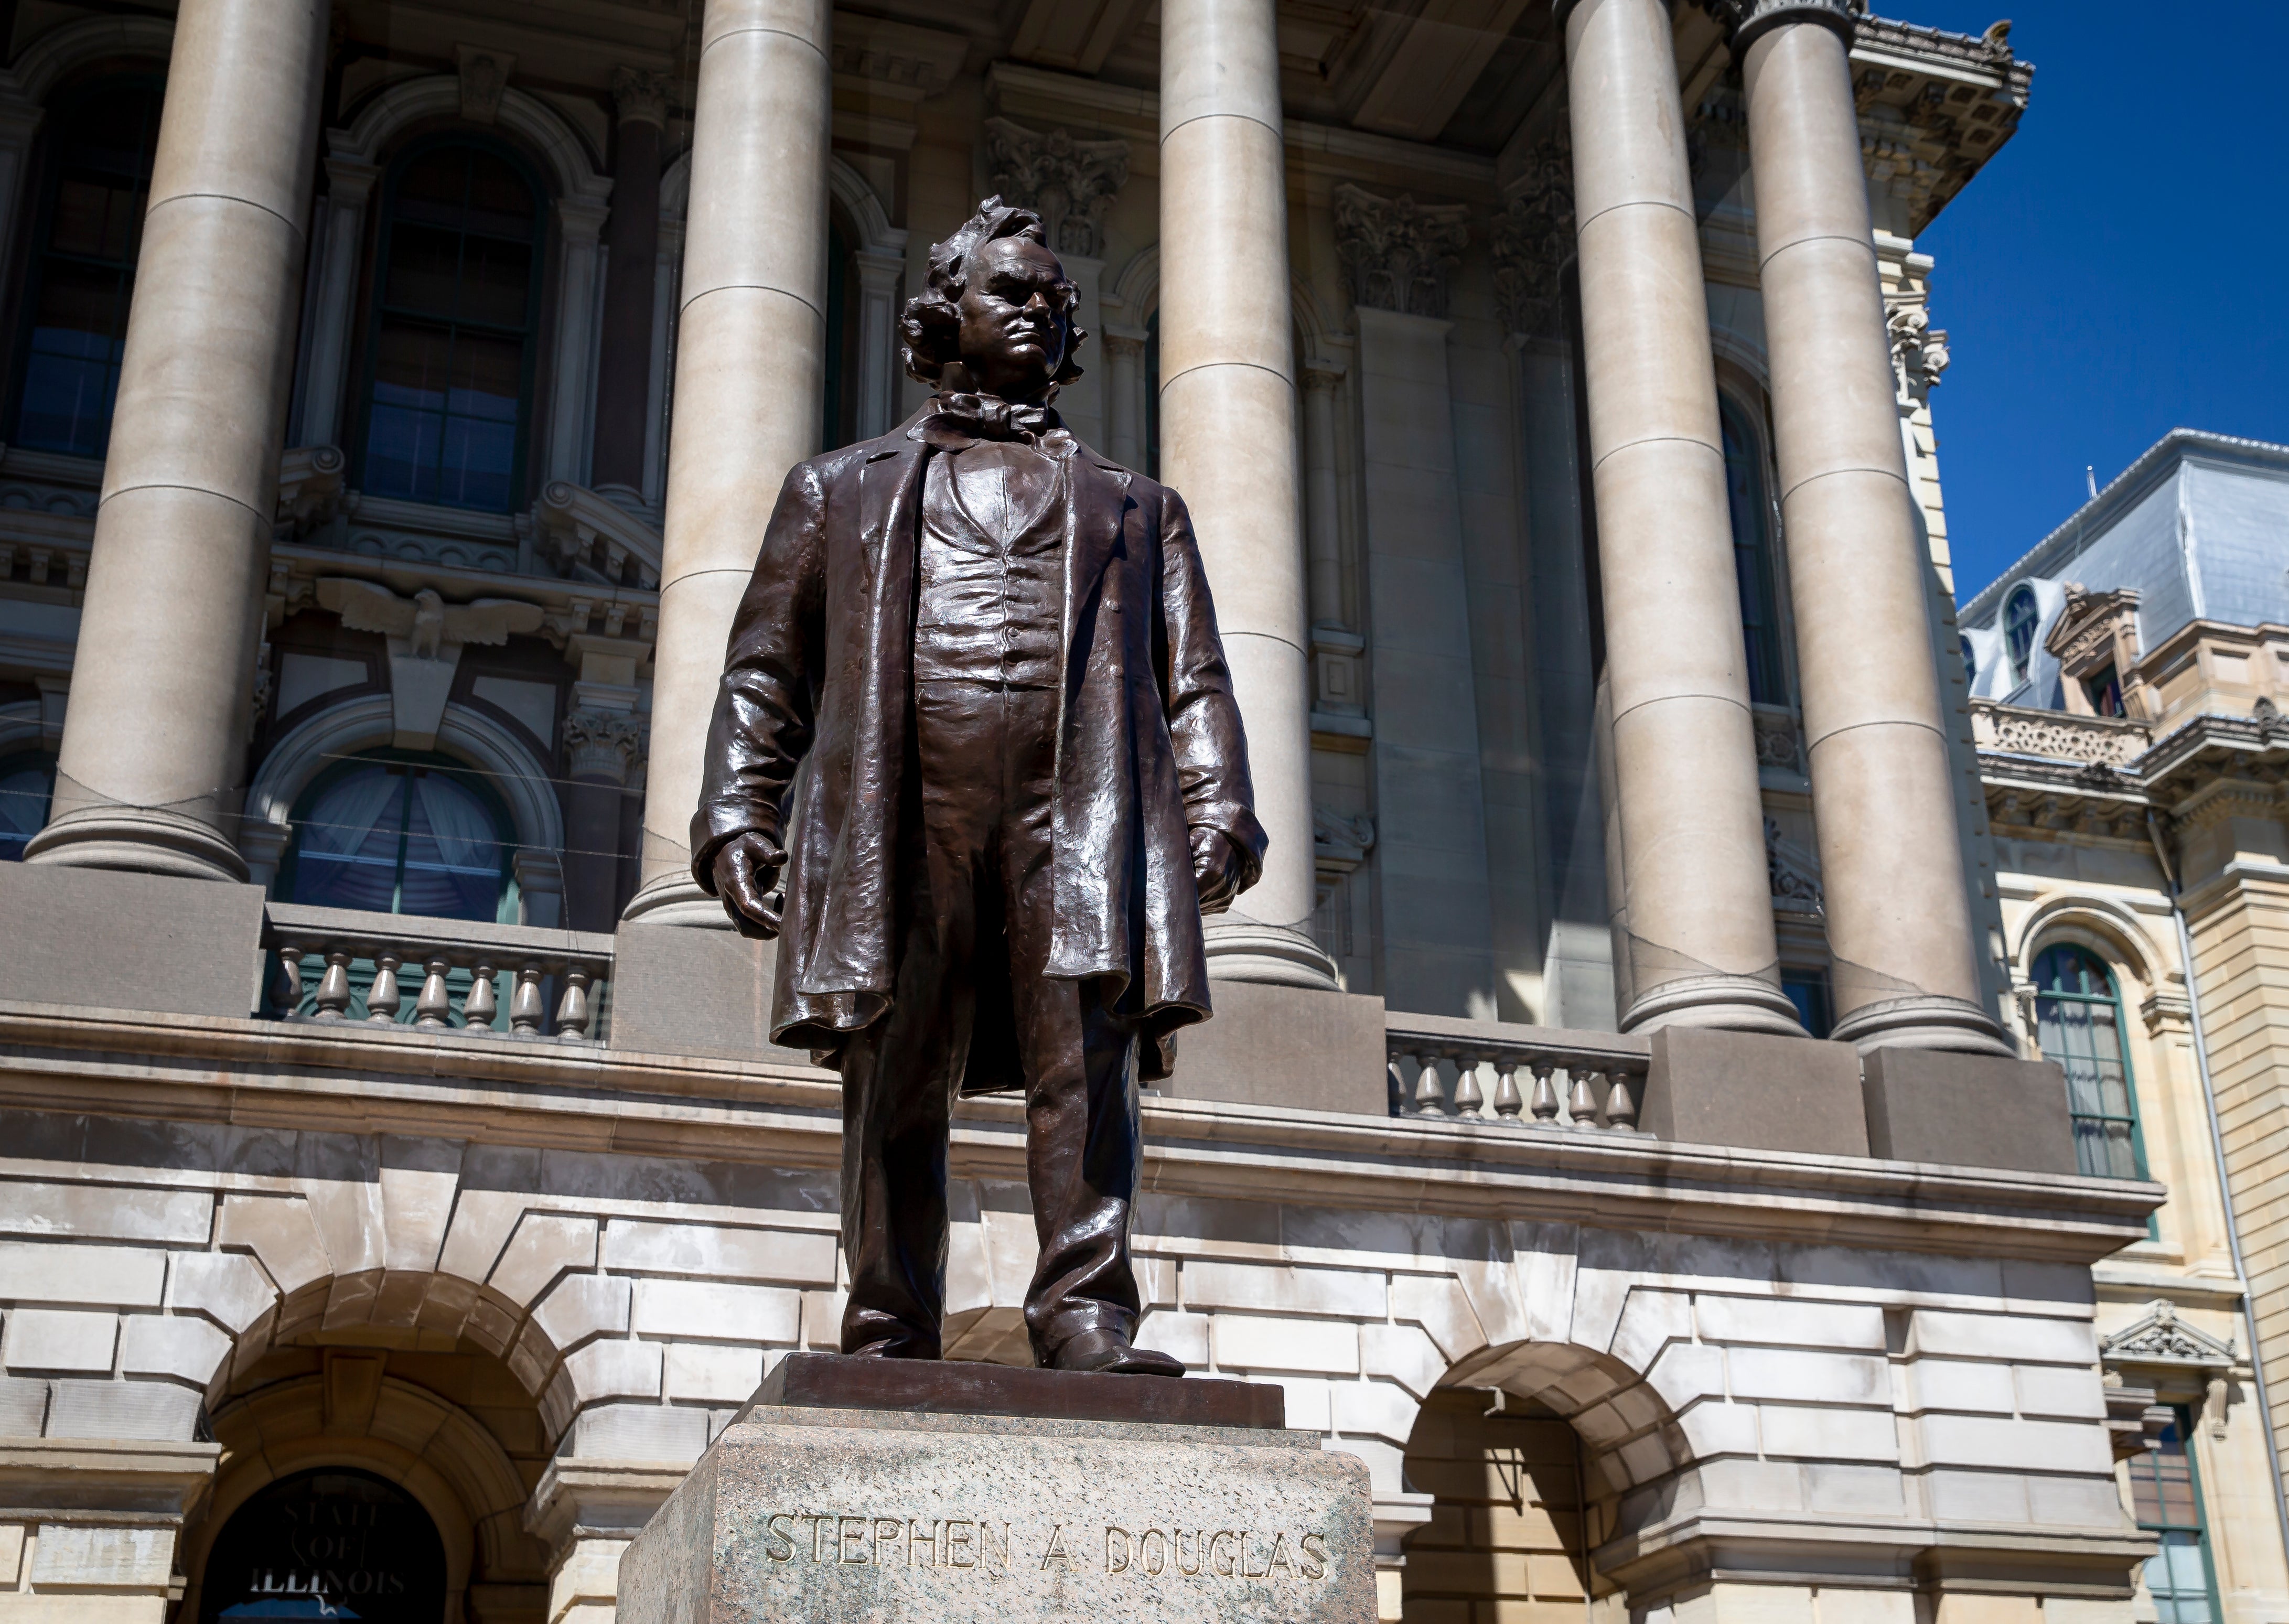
{"x":332,"y":1543}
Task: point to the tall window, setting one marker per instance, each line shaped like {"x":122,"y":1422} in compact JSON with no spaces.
{"x":1152,"y":396}
{"x":28,"y":782}
{"x":1970,"y":663}
{"x":401,"y":834}
{"x":2165,"y":1493}
{"x":841,"y":425}
{"x":82,"y":269}
{"x":2078,"y":1022}
{"x":1752,"y":554}
{"x":2021,"y":617}
{"x":458,"y":287}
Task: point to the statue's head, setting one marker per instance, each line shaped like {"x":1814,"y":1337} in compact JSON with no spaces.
{"x":997,"y":306}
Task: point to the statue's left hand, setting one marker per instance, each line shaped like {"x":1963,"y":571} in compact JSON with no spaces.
{"x":1216,"y":869}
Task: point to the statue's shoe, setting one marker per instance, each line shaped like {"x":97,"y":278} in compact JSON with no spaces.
{"x":1111,"y":1352}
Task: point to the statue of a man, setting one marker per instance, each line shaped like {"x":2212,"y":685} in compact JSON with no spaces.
{"x":975,"y":706}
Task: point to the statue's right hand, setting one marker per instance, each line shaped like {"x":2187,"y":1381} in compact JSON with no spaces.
{"x":747,"y":869}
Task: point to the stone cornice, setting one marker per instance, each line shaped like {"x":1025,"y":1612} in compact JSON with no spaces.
{"x":255,"y":1073}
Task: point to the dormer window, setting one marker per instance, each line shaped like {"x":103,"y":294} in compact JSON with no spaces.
{"x":2022,"y":617}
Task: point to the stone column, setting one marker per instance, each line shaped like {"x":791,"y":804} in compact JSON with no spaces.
{"x":154,"y":742}
{"x":750,"y":383}
{"x":349,"y":184}
{"x":1228,"y":435}
{"x":1698,"y":912}
{"x":579,"y":229}
{"x":1320,"y":380}
{"x":880,"y":269}
{"x":616,"y":456}
{"x":1899,"y":920}
{"x":1124,"y":398}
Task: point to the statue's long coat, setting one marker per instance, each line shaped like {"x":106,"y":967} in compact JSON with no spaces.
{"x":819,"y":672}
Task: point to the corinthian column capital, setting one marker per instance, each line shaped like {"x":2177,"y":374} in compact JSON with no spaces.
{"x":1749,"y":18}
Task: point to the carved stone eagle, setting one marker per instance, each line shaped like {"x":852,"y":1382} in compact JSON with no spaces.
{"x":425,"y":622}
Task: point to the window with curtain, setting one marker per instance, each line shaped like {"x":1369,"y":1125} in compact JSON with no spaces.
{"x":2078,"y":1024}
{"x":28,"y":783}
{"x":1752,"y":554}
{"x":393,"y":834}
{"x":83,"y":265}
{"x":2166,"y":1493}
{"x":457,"y":295}
{"x":2021,"y":617}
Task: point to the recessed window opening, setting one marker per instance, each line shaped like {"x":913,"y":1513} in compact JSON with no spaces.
{"x":457,"y":292}
{"x":2078,"y":1024}
{"x":401,"y":834}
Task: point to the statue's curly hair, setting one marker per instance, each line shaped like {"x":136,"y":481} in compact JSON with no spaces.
{"x":932,"y":324}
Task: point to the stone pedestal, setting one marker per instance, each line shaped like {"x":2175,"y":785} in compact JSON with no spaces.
{"x":905,"y":1491}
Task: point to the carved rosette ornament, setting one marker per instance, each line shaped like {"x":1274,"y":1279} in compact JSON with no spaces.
{"x":1401,"y":252}
{"x":1069,"y":182}
{"x":1749,"y":18}
{"x":1532,"y":238}
{"x":600,"y":744}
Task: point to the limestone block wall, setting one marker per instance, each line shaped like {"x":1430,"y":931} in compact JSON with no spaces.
{"x":1756,"y":1393}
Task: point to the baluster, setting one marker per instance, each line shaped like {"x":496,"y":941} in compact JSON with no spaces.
{"x":572,"y":1008}
{"x":1507,"y":1103}
{"x":1620,"y":1106}
{"x":1394,"y":1083}
{"x":526,"y":1011}
{"x":1470,"y":1099}
{"x":433,"y":1010}
{"x":482,"y":1005}
{"x":1546,"y":1095}
{"x":286,"y":986}
{"x":1580,"y":1103}
{"x":334,"y":987}
{"x":381,"y":999}
{"x":1430,"y":1097}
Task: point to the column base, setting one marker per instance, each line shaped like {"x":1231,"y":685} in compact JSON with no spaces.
{"x":141,"y":839}
{"x":1242,"y":949}
{"x":1926,"y":1020}
{"x":675,"y":898}
{"x":1733,"y":1003}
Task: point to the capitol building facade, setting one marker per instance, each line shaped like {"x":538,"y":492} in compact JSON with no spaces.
{"x":1741,"y":1093}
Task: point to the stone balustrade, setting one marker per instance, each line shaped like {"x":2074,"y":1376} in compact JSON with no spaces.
{"x":2009,"y":730}
{"x":1471,"y":1071}
{"x":385,"y":970}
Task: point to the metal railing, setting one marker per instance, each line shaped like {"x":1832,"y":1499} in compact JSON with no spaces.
{"x":1471,"y":1071}
{"x":389,"y":970}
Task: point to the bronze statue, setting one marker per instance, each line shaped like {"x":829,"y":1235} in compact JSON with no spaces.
{"x":975,"y":706}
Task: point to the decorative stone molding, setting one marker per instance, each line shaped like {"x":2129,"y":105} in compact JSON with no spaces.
{"x":1919,"y":353}
{"x":1068,"y":182}
{"x":1532,"y":238}
{"x":2165,"y":1351}
{"x":426,"y":636}
{"x":1794,"y":871}
{"x":485,"y":76}
{"x":2014,"y":730}
{"x":1777,"y":741}
{"x":640,"y":96}
{"x":592,"y":535}
{"x":309,"y":487}
{"x":1401,"y":252}
{"x":600,"y":744}
{"x":1749,"y":19}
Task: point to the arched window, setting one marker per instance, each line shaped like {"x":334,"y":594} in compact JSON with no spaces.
{"x":83,"y":267}
{"x":400,"y":833}
{"x":1752,"y":554}
{"x":2078,"y":1024}
{"x":1970,"y":664}
{"x":28,"y":783}
{"x":2021,"y":617}
{"x":457,"y":293}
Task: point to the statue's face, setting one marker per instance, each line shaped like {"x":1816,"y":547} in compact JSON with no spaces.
{"x":1015,"y":329}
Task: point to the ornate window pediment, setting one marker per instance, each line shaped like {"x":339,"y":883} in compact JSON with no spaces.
{"x":2162,"y":1339}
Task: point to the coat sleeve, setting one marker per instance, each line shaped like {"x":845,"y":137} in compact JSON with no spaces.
{"x":764,"y":718}
{"x":1204,"y":723}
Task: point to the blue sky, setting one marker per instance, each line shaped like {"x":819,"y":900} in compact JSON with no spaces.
{"x":2121,"y":268}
